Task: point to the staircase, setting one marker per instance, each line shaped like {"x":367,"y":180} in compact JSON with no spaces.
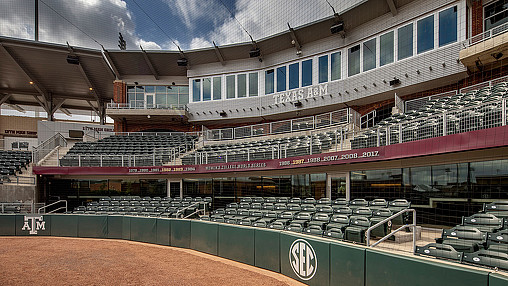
{"x":54,"y":156}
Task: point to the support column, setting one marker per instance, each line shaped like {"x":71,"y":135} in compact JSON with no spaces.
{"x":348,"y":186}
{"x":476,"y":17}
{"x":168,"y":188}
{"x":328,"y":186}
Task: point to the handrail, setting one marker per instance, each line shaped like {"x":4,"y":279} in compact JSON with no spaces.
{"x":189,"y":206}
{"x":46,"y":206}
{"x":485,"y":36}
{"x":43,"y":149}
{"x":413,"y":226}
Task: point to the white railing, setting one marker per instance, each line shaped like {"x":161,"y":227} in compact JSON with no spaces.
{"x":28,"y":207}
{"x":25,"y":180}
{"x":44,"y":208}
{"x":405,"y":226}
{"x":415,"y":104}
{"x":339,"y":117}
{"x":45,"y":147}
{"x":144,"y":105}
{"x":485,"y":36}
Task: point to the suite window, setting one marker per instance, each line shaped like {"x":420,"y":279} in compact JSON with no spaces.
{"x":386,"y":49}
{"x":323,"y":69}
{"x":183,"y":94}
{"x":369,"y":55}
{"x":269,"y":78}
{"x":196,"y":90}
{"x":207,"y":89}
{"x":307,"y":73}
{"x":353,"y":61}
{"x":171,"y":94}
{"x":242,"y":85}
{"x":425,"y":34}
{"x":335,"y":64}
{"x":160,"y":95}
{"x":405,"y":41}
{"x":448,"y":26}
{"x":253,"y":84}
{"x":495,"y":14}
{"x":281,"y":78}
{"x":294,"y":75}
{"x":230,"y":86}
{"x":217,"y":88}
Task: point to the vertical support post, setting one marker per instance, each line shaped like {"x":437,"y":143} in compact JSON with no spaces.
{"x":348,"y":186}
{"x":248,"y":154}
{"x":444,"y":123}
{"x":388,"y":135}
{"x":36,"y":20}
{"x":504,"y":112}
{"x":181,"y":188}
{"x":400,"y":132}
{"x":377,"y":138}
{"x":328,"y":186}
{"x":168,"y":188}
{"x":79,"y":160}
{"x":100,"y":159}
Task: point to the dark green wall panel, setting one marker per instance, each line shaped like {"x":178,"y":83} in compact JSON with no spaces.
{"x":347,"y":264}
{"x":144,"y":229}
{"x":92,"y":226}
{"x":42,"y":227}
{"x":204,"y":236}
{"x":64,"y":225}
{"x":163,"y":231}
{"x":383,"y":268}
{"x":180,"y":233}
{"x":8,"y":225}
{"x":126,"y":228}
{"x":321,"y":248}
{"x":115,"y":226}
{"x":266,"y":249}
{"x":498,"y":279}
{"x":237,"y":243}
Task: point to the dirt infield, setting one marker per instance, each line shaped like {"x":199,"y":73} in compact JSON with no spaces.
{"x":78,"y":261}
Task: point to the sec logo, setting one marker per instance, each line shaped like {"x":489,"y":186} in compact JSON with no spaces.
{"x":303,"y":260}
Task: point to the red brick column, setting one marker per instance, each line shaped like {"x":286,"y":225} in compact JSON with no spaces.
{"x":119,"y":91}
{"x":477,"y":18}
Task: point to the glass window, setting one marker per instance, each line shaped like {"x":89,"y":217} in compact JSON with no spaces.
{"x":160,"y":98}
{"x":307,"y":73}
{"x":323,"y":69}
{"x":281,"y":78}
{"x":335,"y":65}
{"x":353,"y":64}
{"x":253,"y":84}
{"x":150,"y":88}
{"x":196,"y":90}
{"x":161,"y":88}
{"x":242,"y":85}
{"x":230,"y":86}
{"x":386,"y":46}
{"x":207,"y":89}
{"x":217,"y":88}
{"x":496,"y":14}
{"x":183,"y":94}
{"x":131,"y":96}
{"x":369,"y":55}
{"x":172,"y":99}
{"x":425,"y":34}
{"x":269,"y":77}
{"x":294,"y":76}
{"x":448,"y":26}
{"x":405,"y":42}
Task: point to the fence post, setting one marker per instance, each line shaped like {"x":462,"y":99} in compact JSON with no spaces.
{"x":444,"y":123}
{"x":504,"y":112}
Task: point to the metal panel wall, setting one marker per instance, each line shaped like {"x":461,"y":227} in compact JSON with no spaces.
{"x":64,"y":225}
{"x":93,"y":226}
{"x":236,"y":243}
{"x":267,"y":249}
{"x":180,"y":233}
{"x":204,"y":236}
{"x":163,"y":231}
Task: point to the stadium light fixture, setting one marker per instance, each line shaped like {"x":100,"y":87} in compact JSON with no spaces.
{"x":73,"y":59}
{"x":182,"y":62}
{"x":497,"y":56}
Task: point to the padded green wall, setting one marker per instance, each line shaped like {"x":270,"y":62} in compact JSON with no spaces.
{"x":496,"y":279}
{"x":163,"y":231}
{"x":180,"y":233}
{"x":236,"y":243}
{"x":64,"y":225}
{"x":126,"y":228}
{"x":8,"y":225}
{"x":93,"y":226}
{"x":115,"y":226}
{"x":383,"y":268}
{"x":321,"y":248}
{"x":20,"y":219}
{"x":204,"y":236}
{"x":347,"y":264}
{"x":144,"y":229}
{"x":267,"y":249}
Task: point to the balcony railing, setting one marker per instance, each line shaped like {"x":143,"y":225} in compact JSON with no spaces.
{"x":485,"y":36}
{"x":144,"y":105}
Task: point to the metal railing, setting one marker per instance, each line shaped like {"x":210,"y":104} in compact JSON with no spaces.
{"x":181,"y":211}
{"x":339,"y":117}
{"x":485,"y":36}
{"x":28,"y":207}
{"x":43,"y":208}
{"x":26,"y":180}
{"x":412,"y":226}
{"x":41,"y":151}
{"x":144,"y":105}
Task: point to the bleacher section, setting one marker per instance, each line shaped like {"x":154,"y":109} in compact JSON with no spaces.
{"x":474,"y":110}
{"x":480,"y":239}
{"x":13,"y":163}
{"x":145,"y":206}
{"x":261,"y":149}
{"x":124,"y":150}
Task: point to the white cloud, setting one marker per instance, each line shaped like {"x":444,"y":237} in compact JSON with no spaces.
{"x":197,"y":43}
{"x":193,"y":12}
{"x":148,"y":45}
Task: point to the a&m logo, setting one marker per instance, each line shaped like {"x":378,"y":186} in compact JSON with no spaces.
{"x":303,"y":259}
{"x":33,"y":224}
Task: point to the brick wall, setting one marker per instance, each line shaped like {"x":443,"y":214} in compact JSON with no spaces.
{"x":476,"y":17}
{"x":119,"y":91}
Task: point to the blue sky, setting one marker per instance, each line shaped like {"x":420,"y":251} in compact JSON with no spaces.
{"x":191,"y":24}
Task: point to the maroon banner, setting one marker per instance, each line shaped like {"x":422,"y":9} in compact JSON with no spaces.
{"x":480,"y":139}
